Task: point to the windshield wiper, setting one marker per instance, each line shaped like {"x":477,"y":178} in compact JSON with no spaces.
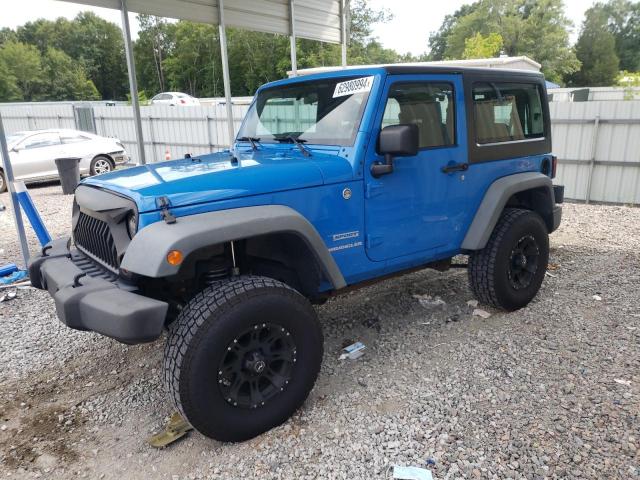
{"x":252,"y":140}
{"x":298,"y":142}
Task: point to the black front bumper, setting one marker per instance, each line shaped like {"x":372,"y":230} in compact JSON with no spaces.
{"x":90,"y":298}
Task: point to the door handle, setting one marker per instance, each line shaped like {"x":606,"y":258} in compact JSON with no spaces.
{"x":455,"y":167}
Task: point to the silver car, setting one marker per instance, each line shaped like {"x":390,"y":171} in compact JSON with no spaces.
{"x":33,"y":153}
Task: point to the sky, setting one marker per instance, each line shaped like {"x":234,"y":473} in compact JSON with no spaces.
{"x":408,"y":32}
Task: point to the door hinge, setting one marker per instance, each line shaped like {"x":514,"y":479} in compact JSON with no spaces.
{"x":163,"y":204}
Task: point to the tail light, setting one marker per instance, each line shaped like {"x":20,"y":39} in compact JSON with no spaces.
{"x":183,"y":101}
{"x":554,"y":166}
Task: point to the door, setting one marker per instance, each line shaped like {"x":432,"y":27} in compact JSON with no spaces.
{"x":407,"y":211}
{"x":35,"y":156}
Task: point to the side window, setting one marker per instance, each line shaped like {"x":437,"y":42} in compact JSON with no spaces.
{"x":506,"y":112}
{"x":73,"y":138}
{"x":41,"y":140}
{"x":428,"y":105}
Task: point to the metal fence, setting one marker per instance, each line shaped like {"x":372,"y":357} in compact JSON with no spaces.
{"x":598,"y":147}
{"x":597,"y":143}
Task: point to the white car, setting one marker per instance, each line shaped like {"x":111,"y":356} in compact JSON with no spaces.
{"x":33,"y":153}
{"x":174,"y":99}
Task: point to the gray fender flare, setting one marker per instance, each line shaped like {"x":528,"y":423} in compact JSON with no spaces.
{"x":146,"y":254}
{"x":494,"y":202}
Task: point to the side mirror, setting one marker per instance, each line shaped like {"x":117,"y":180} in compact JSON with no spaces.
{"x":396,"y":141}
{"x":16,"y":149}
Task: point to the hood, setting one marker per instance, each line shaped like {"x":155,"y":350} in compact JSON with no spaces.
{"x":214,"y":177}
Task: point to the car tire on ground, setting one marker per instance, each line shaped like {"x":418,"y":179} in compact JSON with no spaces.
{"x":101,"y":164}
{"x":3,"y":182}
{"x":242,"y":357}
{"x":508,"y":271}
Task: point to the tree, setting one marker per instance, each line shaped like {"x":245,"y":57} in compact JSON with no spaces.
{"x":596,"y":49}
{"x":192,"y":67}
{"x":91,"y":41}
{"x":623,"y":21}
{"x":9,"y":90}
{"x":482,"y":47}
{"x":156,"y":39}
{"x":537,"y":29}
{"x":99,"y":46}
{"x":65,"y":79}
{"x":6,"y":34}
{"x":24,"y":64}
{"x":438,"y":40}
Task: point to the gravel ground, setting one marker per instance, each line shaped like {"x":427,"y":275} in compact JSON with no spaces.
{"x":550,"y":391}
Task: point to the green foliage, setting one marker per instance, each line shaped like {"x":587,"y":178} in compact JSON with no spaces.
{"x":142,"y":98}
{"x":155,"y":41}
{"x":9,"y":90}
{"x":438,"y":41}
{"x":596,"y":50}
{"x":24,"y":63}
{"x":483,"y":47}
{"x":92,"y":42}
{"x":65,"y":79}
{"x":631,"y":83}
{"x":623,"y":21}
{"x":537,"y":29}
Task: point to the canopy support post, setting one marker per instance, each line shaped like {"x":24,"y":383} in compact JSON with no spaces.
{"x":133,"y":82}
{"x":292,"y":38}
{"x":343,"y":30}
{"x":225,"y":70}
{"x":17,"y":214}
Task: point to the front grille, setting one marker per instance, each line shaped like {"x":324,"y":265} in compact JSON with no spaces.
{"x":93,"y":236}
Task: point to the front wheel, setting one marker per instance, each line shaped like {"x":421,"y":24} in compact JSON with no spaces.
{"x":3,"y":182}
{"x":100,"y":165}
{"x":508,"y":271}
{"x":242,"y":357}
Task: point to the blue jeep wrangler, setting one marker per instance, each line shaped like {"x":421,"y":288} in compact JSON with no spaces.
{"x":335,"y":180}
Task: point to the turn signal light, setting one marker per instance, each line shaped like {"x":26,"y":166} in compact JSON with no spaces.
{"x":174,"y":257}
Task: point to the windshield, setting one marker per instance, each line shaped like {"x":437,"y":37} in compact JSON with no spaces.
{"x":15,"y":137}
{"x":322,"y":112}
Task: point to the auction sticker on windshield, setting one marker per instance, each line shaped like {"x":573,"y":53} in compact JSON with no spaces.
{"x":357,"y":85}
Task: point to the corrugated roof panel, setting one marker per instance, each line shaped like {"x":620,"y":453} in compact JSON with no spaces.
{"x":315,"y":19}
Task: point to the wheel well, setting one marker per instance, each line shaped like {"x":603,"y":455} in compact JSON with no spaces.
{"x":537,"y":199}
{"x":282,"y":256}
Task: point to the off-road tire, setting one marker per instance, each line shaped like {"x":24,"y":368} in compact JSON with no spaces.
{"x":489,"y":274}
{"x":3,"y":182}
{"x":198,"y":342}
{"x":100,"y":160}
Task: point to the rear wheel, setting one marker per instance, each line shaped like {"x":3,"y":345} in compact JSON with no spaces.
{"x":100,"y":165}
{"x":3,"y":182}
{"x":242,"y":357}
{"x":508,"y":271}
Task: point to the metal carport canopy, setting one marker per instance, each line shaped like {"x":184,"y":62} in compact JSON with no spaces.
{"x":314,"y":19}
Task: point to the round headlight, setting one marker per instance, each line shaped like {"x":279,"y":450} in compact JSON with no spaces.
{"x":132,"y":224}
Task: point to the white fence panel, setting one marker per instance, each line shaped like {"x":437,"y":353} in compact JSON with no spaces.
{"x":36,"y":117}
{"x":598,"y":147}
{"x":178,"y":130}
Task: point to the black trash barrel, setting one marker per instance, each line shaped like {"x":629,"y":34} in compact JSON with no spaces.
{"x":69,"y":171}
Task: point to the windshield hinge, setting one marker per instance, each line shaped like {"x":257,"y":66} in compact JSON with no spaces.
{"x":163,"y":204}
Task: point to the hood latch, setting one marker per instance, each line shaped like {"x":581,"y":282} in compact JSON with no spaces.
{"x":163,"y":204}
